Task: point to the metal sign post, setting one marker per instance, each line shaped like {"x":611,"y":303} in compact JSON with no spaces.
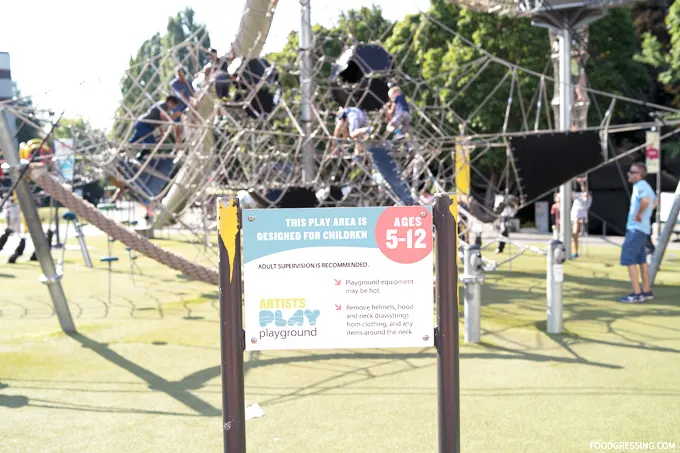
{"x":445,"y":212}
{"x":231,"y":326}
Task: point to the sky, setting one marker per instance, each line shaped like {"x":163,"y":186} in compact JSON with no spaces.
{"x":71,"y":55}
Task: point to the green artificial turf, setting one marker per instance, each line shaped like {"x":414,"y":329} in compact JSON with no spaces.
{"x":143,"y":374}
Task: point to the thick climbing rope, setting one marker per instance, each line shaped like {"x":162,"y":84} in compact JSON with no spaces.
{"x":140,"y":244}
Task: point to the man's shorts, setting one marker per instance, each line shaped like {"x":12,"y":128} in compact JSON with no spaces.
{"x":401,"y":120}
{"x":357,"y":122}
{"x":633,"y":250}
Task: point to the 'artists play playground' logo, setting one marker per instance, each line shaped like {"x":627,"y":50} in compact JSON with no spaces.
{"x":279,"y":326}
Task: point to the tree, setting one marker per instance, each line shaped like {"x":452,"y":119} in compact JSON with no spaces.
{"x":152,"y":68}
{"x":184,"y":28}
{"x":612,"y":68}
{"x":364,"y":24}
{"x":665,"y":57}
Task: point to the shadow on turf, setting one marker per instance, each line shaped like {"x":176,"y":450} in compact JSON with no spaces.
{"x":609,"y":290}
{"x":19,"y":401}
{"x":173,"y":389}
{"x":500,"y":301}
{"x":200,"y":378}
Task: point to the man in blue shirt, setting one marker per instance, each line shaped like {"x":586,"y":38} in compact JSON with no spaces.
{"x":638,"y":228}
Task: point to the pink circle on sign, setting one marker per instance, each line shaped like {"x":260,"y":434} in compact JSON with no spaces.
{"x":652,"y":153}
{"x":404,"y":234}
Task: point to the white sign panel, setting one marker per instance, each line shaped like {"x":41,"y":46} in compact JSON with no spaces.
{"x":653,"y":152}
{"x":328,"y":278}
{"x":64,"y":158}
{"x":665,"y":204}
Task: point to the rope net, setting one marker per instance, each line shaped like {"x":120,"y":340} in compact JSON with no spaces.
{"x":241,"y":133}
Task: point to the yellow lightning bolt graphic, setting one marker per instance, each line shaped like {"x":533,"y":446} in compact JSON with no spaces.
{"x":454,"y":213}
{"x":228,"y":231}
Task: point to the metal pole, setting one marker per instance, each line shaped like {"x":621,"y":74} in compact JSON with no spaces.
{"x":83,"y":245}
{"x":472,"y":293}
{"x":658,"y":208}
{"x":446,"y":334}
{"x":565,"y":125}
{"x":555,"y":277}
{"x":56,"y":225}
{"x":665,"y":236}
{"x":42,"y":249}
{"x":306,"y":83}
{"x":231,"y":325}
{"x":658,"y":187}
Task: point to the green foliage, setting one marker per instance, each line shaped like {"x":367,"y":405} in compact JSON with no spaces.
{"x":150,"y":70}
{"x":69,"y":128}
{"x":611,"y":66}
{"x":84,"y":135}
{"x":665,"y":57}
{"x":364,"y":24}
{"x":514,"y":40}
{"x":444,"y":61}
{"x":183,"y":27}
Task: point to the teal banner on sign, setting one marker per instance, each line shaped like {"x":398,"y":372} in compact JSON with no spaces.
{"x":325,"y":278}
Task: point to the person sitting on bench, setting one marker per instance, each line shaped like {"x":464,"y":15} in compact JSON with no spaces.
{"x":397,"y":113}
{"x":352,"y":122}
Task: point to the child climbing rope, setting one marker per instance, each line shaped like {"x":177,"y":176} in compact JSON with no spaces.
{"x":352,"y":122}
{"x":397,"y":113}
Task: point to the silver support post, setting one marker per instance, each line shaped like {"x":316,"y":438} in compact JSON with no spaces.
{"x":306,"y":83}
{"x":565,"y":125}
{"x":665,"y":237}
{"x":81,"y":242}
{"x":472,"y":278}
{"x":657,"y":218}
{"x":11,"y":154}
{"x":658,"y":188}
{"x":555,"y":277}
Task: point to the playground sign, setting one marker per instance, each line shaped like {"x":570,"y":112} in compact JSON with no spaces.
{"x":652,"y":152}
{"x":328,"y":278}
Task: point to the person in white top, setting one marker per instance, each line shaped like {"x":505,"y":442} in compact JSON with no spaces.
{"x":579,"y":212}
